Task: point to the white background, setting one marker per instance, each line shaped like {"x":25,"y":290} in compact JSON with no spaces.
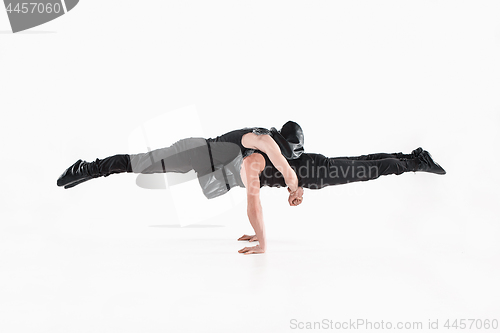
{"x":359,"y":77}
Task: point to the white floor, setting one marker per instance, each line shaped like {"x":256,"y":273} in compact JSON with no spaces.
{"x":359,"y":77}
{"x":110,"y":260}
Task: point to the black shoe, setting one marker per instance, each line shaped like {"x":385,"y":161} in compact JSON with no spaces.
{"x":416,"y":152}
{"x":413,"y":154}
{"x":73,"y":184}
{"x":426,"y":163}
{"x":78,"y":173}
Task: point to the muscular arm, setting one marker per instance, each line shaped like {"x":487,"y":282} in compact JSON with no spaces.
{"x":254,"y":212}
{"x":266,"y":144}
{"x":253,"y":166}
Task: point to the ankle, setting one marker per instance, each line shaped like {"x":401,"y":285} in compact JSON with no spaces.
{"x":411,"y":164}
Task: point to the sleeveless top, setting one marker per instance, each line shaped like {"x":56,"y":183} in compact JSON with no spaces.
{"x":270,"y":176}
{"x":236,"y":135}
{"x":302,"y":165}
{"x":226,"y":157}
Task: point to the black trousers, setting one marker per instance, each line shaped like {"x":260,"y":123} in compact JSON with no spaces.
{"x":316,"y":171}
{"x":180,"y":157}
{"x":216,"y":164}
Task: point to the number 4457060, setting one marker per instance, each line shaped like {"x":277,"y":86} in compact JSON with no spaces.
{"x":473,"y":323}
{"x":34,"y":7}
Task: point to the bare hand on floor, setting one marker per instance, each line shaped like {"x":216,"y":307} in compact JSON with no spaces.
{"x":250,"y":238}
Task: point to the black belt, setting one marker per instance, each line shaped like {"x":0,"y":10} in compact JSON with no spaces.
{"x":213,"y":168}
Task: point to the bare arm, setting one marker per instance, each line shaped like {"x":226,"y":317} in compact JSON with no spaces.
{"x":256,"y":217}
{"x":254,"y":207}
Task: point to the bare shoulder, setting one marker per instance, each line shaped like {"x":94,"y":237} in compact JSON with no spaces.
{"x":251,"y":168}
{"x":255,"y":162}
{"x":253,"y":141}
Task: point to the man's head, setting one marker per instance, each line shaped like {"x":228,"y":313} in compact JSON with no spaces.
{"x":290,"y":139}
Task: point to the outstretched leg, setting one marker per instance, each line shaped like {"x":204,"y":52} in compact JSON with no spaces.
{"x":316,"y":171}
{"x":379,"y":156}
{"x":324,"y":171}
{"x":182,"y":156}
{"x":81,"y":171}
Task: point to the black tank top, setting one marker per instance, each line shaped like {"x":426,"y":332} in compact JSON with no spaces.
{"x":270,"y":176}
{"x":226,"y":157}
{"x":236,"y":135}
{"x":302,"y":166}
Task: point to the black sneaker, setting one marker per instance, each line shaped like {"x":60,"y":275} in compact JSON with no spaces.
{"x":416,"y":152}
{"x":79,"y":172}
{"x":427,"y":164}
{"x":413,"y":154}
{"x":73,"y":184}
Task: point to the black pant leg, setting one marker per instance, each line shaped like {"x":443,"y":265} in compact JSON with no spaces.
{"x":377,"y":156}
{"x":181,"y":157}
{"x":114,"y":164}
{"x":323,"y":171}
